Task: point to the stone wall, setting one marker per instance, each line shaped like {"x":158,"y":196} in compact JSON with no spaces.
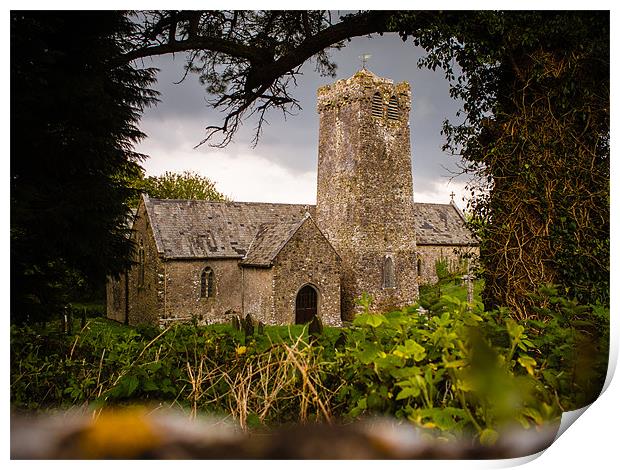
{"x":258,"y":293}
{"x":365,"y":188}
{"x":115,"y":298}
{"x":145,"y":292}
{"x":454,"y":255}
{"x":182,"y":299}
{"x":307,"y":259}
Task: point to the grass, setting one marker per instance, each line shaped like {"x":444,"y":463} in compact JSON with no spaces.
{"x":93,"y":309}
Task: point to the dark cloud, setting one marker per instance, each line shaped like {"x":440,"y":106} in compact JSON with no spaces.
{"x":178,"y":122}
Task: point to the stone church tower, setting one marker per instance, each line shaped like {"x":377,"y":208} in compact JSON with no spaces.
{"x":365,"y":189}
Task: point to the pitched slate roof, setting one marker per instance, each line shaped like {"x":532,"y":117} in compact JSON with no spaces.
{"x":441,"y":224}
{"x":205,"y":229}
{"x":257,"y":231}
{"x":269,"y":240}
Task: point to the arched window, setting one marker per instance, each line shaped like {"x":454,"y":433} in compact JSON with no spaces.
{"x":389,"y":279}
{"x":393,"y":112}
{"x":419,"y":266}
{"x":207,"y":283}
{"x":377,"y":105}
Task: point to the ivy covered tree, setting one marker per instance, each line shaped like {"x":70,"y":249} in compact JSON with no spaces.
{"x":535,"y":87}
{"x":74,"y":115}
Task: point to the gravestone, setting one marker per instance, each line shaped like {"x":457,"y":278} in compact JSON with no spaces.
{"x":248,"y":325}
{"x":315,"y":328}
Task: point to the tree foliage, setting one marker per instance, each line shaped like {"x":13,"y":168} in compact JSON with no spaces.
{"x":186,"y":185}
{"x":74,"y":115}
{"x":535,"y":87}
{"x":249,"y":60}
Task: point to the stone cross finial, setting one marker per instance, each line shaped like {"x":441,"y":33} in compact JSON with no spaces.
{"x":452,"y":196}
{"x":364,"y":58}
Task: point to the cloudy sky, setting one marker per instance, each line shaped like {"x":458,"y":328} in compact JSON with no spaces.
{"x":282,"y":167}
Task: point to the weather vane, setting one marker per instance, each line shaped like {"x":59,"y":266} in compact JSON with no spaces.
{"x":365,"y":58}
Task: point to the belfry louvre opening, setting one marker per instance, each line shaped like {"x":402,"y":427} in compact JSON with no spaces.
{"x":377,"y":105}
{"x":392,"y":111}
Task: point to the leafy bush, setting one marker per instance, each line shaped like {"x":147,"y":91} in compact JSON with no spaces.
{"x":443,"y":373}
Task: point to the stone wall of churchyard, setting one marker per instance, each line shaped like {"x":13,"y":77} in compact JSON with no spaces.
{"x":258,"y":293}
{"x":306,"y":259}
{"x":182,"y":299}
{"x":428,"y":255}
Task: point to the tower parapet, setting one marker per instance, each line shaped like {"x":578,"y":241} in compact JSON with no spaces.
{"x":365,"y":188}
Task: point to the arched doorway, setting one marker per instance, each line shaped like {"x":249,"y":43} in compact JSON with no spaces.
{"x":306,"y":304}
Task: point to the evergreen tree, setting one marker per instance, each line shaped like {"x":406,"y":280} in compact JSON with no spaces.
{"x":74,"y":115}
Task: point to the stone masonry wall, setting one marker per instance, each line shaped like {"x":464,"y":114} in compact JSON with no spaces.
{"x":115,"y":298}
{"x":182,"y":301}
{"x":365,"y":189}
{"x":307,"y":259}
{"x":145,"y":298}
{"x":430,"y":254}
{"x":258,"y":293}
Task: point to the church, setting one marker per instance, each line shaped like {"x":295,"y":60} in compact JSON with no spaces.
{"x":287,"y":263}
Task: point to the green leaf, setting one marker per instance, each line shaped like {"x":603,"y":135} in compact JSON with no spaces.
{"x":455,"y":364}
{"x":408,"y":392}
{"x":374,"y":401}
{"x":370,"y":352}
{"x":527,"y":362}
{"x":411,"y":349}
{"x":405,"y":372}
{"x":150,"y":386}
{"x":129,"y":385}
{"x":375,"y":320}
{"x":369,"y":319}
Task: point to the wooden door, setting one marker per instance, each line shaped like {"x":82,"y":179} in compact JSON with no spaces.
{"x":305,"y":305}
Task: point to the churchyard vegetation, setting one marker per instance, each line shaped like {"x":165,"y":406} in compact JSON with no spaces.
{"x":455,"y":370}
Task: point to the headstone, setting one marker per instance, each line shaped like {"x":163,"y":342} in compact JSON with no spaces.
{"x":236,"y":323}
{"x":470,"y":289}
{"x":470,"y":285}
{"x":248,"y":325}
{"x":341,"y":341}
{"x":63,"y":321}
{"x":315,"y":328}
{"x":261,"y":328}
